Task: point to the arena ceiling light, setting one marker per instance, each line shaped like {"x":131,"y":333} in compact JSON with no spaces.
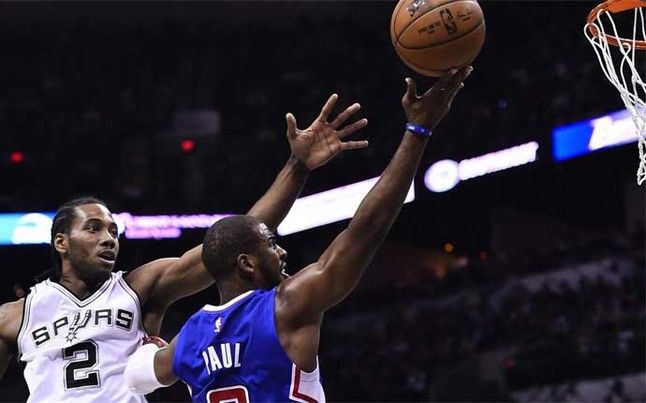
{"x":444,"y":175}
{"x":329,"y":206}
{"x":308,"y":212}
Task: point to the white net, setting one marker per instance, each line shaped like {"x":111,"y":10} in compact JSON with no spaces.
{"x":625,"y":67}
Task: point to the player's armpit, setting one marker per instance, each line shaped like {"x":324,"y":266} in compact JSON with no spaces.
{"x":10,"y":320}
{"x":306,"y":295}
{"x":5,"y":357}
{"x":302,"y":299}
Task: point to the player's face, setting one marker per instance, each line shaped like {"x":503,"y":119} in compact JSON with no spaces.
{"x":272,"y":260}
{"x":93,"y":243}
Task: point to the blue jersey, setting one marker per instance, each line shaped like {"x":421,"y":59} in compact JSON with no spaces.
{"x":231,"y":353}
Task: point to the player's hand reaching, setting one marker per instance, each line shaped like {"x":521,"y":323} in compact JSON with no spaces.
{"x":321,"y":141}
{"x":428,"y":109}
{"x":158,"y":341}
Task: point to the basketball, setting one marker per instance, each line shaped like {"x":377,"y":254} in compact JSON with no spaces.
{"x":433,"y":36}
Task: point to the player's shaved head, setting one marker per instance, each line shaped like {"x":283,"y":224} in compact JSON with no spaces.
{"x":226,"y":240}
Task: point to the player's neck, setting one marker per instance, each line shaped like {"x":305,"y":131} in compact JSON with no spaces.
{"x":230,"y":290}
{"x":76,"y":286}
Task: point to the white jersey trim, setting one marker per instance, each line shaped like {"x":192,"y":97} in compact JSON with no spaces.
{"x":218,"y":308}
{"x":86,"y":301}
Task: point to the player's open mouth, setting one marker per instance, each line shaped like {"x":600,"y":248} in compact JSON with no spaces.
{"x":108,"y":256}
{"x":283,"y":268}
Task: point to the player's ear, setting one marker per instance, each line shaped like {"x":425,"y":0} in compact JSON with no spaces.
{"x":61,"y":243}
{"x":246,"y":264}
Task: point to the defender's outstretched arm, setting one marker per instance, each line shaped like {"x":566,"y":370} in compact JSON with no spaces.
{"x":311,"y":148}
{"x":164,"y":281}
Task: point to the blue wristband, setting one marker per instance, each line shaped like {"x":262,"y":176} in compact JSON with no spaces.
{"x":413,"y":128}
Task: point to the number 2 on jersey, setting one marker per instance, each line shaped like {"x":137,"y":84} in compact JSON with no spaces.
{"x":81,"y":356}
{"x":233,"y":394}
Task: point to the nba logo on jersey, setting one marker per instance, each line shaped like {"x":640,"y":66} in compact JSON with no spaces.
{"x":218,"y":325}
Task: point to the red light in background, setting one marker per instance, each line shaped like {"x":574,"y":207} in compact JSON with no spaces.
{"x":509,"y":363}
{"x":482,"y":255}
{"x":16,"y":157}
{"x":187,"y":145}
{"x":448,"y":247}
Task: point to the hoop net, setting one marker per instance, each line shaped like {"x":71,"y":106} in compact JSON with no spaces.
{"x":617,"y":56}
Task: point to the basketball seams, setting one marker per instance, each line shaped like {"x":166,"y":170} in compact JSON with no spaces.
{"x":451,"y":39}
{"x":393,"y":35}
{"x":424,"y":13}
{"x":432,"y":72}
{"x":413,"y":66}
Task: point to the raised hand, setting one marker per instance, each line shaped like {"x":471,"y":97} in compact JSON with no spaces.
{"x":321,"y":141}
{"x":427,"y":110}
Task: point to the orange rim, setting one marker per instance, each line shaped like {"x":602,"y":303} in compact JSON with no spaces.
{"x":615,"y":6}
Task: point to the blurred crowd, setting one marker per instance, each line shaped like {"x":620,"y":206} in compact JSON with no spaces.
{"x":574,"y":322}
{"x":628,"y":388}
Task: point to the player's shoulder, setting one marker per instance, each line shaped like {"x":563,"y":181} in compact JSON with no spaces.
{"x":12,"y":308}
{"x":11,"y":318}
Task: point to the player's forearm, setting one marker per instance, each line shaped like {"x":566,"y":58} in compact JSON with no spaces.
{"x":382,"y":204}
{"x":343,"y":263}
{"x":274,"y":205}
{"x":163,"y":362}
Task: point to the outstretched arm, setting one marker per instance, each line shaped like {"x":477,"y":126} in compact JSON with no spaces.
{"x":274,"y":205}
{"x":311,"y":148}
{"x":303,"y":298}
{"x":161,"y":282}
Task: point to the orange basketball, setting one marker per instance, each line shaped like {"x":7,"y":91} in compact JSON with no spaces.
{"x":433,"y":36}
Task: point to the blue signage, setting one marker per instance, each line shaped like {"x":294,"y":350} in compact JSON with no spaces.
{"x":25,"y":228}
{"x":585,"y":137}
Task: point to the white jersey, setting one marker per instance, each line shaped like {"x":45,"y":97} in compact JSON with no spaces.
{"x":76,"y":350}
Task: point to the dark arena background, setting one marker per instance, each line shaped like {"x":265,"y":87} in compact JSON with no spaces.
{"x":523,"y":281}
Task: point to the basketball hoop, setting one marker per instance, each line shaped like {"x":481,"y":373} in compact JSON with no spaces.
{"x":618,"y":61}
